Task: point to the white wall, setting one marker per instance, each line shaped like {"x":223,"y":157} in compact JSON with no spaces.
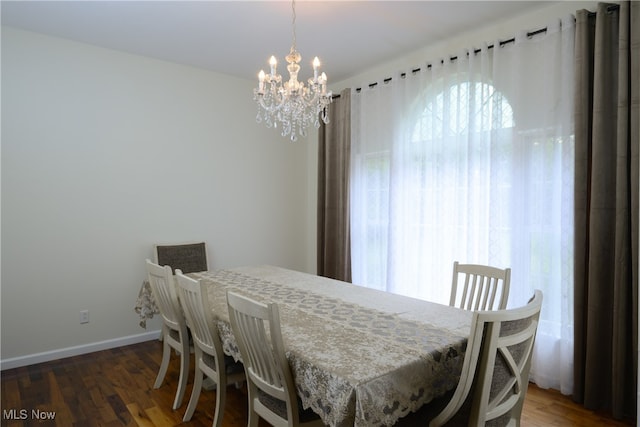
{"x":105,"y":153}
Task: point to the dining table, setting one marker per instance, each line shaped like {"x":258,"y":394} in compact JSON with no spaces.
{"x":359,"y":356}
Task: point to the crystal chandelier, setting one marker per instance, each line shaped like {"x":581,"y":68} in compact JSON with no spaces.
{"x":292,"y":105}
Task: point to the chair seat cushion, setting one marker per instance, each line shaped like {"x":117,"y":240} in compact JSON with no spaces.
{"x":231,"y":366}
{"x":280,"y":407}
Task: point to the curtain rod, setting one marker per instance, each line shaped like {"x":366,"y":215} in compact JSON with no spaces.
{"x":610,"y":9}
{"x":453,"y":58}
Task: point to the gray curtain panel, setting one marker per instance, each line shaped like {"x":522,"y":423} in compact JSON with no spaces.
{"x":606,"y":208}
{"x":334,"y":152}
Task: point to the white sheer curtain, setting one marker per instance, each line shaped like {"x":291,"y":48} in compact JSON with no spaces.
{"x":472,"y":160}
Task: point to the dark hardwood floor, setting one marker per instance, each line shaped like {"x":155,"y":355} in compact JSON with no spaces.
{"x":114,"y":388}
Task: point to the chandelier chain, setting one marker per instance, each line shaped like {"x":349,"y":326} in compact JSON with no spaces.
{"x":293,"y":24}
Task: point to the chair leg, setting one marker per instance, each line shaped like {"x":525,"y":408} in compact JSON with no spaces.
{"x":166,"y":355}
{"x":253,"y":418}
{"x":184,"y":374}
{"x":253,"y":415}
{"x":195,"y":394}
{"x":221,"y":398}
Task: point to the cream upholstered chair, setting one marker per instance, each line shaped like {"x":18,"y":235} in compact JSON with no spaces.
{"x":174,"y":327}
{"x":484,"y":287}
{"x":189,"y":257}
{"x":210,"y":359}
{"x":272,"y":393}
{"x":495,"y":371}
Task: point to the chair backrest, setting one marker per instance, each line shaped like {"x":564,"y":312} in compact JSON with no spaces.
{"x":495,"y":372}
{"x":256,"y":328}
{"x":484,"y":287}
{"x":194,"y":300}
{"x":189,"y":257}
{"x":163,"y":288}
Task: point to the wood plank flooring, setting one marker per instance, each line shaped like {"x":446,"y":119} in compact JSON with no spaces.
{"x":113,"y":388}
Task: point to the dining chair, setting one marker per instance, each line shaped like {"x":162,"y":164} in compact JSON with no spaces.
{"x":174,"y":327}
{"x":271,"y":391}
{"x":210,"y":359}
{"x":495,"y":370}
{"x":484,"y":287}
{"x":189,"y":257}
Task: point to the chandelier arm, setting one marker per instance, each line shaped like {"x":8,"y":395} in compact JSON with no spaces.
{"x":271,"y":107}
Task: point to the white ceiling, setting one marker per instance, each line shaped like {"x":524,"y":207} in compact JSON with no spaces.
{"x":238,"y":37}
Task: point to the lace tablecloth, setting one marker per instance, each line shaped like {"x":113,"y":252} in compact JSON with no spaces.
{"x":359,"y":356}
{"x":145,"y":304}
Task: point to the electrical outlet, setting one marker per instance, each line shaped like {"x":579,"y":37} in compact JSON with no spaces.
{"x":84,"y":316}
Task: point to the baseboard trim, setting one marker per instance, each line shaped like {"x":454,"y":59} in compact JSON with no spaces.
{"x":31,"y":359}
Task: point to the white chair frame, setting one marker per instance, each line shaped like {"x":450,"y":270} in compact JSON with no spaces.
{"x":174,"y":327}
{"x":193,"y":298}
{"x":256,"y":328}
{"x":484,"y":287}
{"x":491,"y":335}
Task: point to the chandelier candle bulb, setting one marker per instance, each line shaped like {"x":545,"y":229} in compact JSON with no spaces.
{"x":273,"y":62}
{"x":261,"y":81}
{"x":316,"y":64}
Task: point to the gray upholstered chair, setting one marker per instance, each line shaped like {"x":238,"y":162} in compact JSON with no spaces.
{"x":272,"y":393}
{"x":174,"y":326}
{"x":479,"y":287}
{"x":189,"y":257}
{"x":495,"y":371}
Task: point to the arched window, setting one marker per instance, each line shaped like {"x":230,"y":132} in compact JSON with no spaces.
{"x":466,"y":184}
{"x":462,"y":108}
